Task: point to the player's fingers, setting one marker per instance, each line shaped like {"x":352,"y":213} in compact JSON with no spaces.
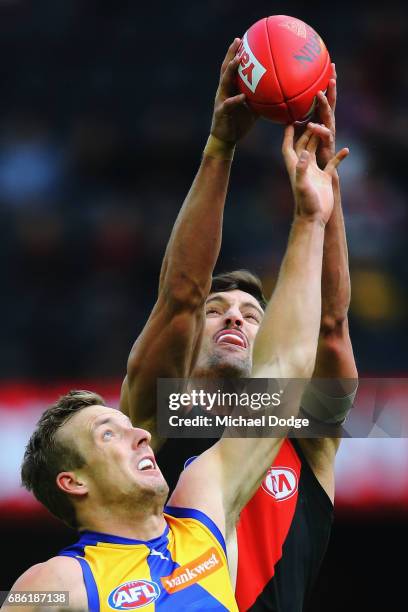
{"x":333,"y":66}
{"x":336,"y":160}
{"x":232,"y":50}
{"x":227,"y":83}
{"x":332,"y":94}
{"x":234,"y":101}
{"x":302,"y":164}
{"x":313,"y":143}
{"x":287,"y":145}
{"x":303,"y":140}
{"x":326,"y":115}
{"x":239,"y":101}
{"x":322,"y":132}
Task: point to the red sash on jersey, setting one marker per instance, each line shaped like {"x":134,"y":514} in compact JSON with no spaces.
{"x":264,"y":524}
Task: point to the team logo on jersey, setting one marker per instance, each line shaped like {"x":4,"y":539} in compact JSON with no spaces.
{"x":281,"y":483}
{"x":157,"y":553}
{"x":134,"y":594}
{"x":250,"y":69}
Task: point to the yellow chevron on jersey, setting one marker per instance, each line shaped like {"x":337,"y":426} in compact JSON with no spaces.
{"x":183,"y":569}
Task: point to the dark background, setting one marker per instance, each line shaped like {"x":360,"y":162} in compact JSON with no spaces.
{"x":105,"y":109}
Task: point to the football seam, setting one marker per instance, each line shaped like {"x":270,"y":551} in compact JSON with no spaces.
{"x":328,"y":61}
{"x":284,"y":101}
{"x":298,"y":94}
{"x":273,"y":64}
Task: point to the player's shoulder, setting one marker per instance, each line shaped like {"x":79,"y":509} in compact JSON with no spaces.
{"x":200,"y":488}
{"x":57,"y":573}
{"x":194,"y":481}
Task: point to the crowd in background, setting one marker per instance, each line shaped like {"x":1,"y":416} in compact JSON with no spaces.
{"x":105,"y":109}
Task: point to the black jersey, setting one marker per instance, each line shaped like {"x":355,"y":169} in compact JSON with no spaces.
{"x":282,"y":532}
{"x":282,"y":536}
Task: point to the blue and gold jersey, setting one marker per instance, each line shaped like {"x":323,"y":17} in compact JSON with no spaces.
{"x":183,"y":569}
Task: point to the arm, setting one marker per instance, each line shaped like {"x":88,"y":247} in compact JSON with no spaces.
{"x":56,"y":574}
{"x":335,"y":359}
{"x":168,"y":344}
{"x":220,"y":482}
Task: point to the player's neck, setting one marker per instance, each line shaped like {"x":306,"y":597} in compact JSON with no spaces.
{"x":126,"y":523}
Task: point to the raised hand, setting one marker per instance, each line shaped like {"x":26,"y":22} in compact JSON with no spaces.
{"x":311,"y":186}
{"x":232,"y":117}
{"x":326,"y":128}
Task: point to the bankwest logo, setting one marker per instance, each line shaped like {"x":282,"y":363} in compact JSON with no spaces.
{"x":281,"y":483}
{"x":192,"y":572}
{"x":134,"y":594}
{"x":250,"y":70}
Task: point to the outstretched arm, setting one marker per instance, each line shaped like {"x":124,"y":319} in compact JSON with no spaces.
{"x":168,"y":344}
{"x":222,"y":480}
{"x":335,"y":359}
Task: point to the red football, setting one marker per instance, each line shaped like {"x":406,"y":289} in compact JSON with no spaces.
{"x":284,"y":63}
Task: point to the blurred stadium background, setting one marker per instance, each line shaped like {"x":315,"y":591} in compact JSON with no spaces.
{"x":105,"y":109}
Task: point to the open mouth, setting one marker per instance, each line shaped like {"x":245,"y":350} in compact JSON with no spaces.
{"x":231,"y":336}
{"x":145,"y":464}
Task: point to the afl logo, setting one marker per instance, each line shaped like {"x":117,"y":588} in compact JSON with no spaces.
{"x":134,"y":594}
{"x":281,"y":483}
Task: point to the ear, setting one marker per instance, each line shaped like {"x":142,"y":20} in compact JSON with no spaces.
{"x":71,"y":483}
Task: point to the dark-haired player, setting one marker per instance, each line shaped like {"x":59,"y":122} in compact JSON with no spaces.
{"x":93,"y":469}
{"x":201,"y":326}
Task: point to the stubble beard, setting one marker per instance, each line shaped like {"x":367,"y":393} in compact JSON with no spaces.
{"x":149,"y":498}
{"x":218,"y":366}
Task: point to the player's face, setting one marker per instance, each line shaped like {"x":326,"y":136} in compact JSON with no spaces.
{"x":232,"y":320}
{"x":120,"y":465}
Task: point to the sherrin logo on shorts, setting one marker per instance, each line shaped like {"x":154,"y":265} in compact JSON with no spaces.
{"x":134,"y":594}
{"x":280,"y":482}
{"x":250,"y":69}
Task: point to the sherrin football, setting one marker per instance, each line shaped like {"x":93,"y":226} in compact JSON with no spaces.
{"x":283,"y":64}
